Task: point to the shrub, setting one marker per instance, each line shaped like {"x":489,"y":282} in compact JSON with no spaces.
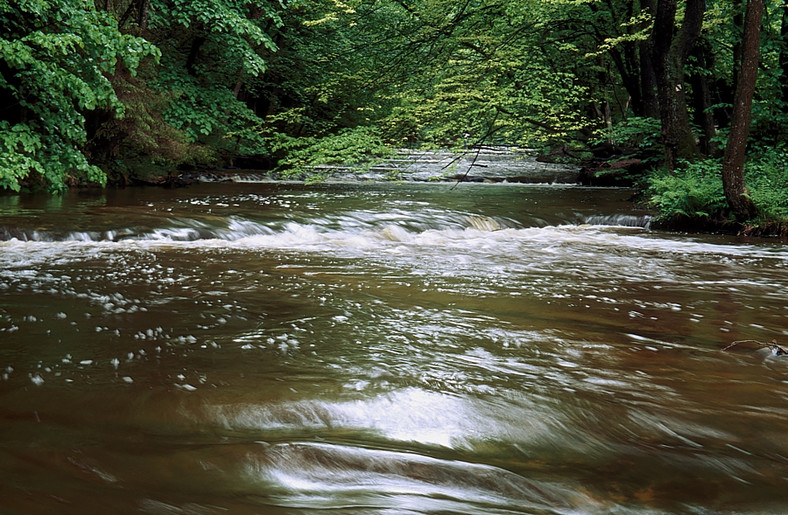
{"x":766,"y":176}
{"x":695,"y":189}
{"x":359,"y":148}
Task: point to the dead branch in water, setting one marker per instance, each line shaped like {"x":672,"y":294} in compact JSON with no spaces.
{"x":778,"y":350}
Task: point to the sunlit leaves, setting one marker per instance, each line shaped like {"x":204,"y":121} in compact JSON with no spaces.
{"x":501,"y":73}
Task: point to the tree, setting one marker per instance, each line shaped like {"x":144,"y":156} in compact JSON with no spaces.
{"x":210,"y":50}
{"x":734,"y":187}
{"x":671,"y":48}
{"x":432,"y":71}
{"x":56,"y":57}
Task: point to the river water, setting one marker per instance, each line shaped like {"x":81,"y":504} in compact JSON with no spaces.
{"x":389,"y":348}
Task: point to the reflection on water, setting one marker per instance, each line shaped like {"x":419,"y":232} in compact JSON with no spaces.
{"x":384,"y":349}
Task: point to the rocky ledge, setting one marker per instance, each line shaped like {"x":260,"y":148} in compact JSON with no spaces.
{"x":484,"y":164}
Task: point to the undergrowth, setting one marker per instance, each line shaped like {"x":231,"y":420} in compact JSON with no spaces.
{"x":695,"y":190}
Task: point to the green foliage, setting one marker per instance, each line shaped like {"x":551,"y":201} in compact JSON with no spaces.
{"x":323,"y":83}
{"x":635,"y":133}
{"x":209,"y":112}
{"x":189,"y":108}
{"x":766,"y":174}
{"x":141,"y":144}
{"x":432,"y":72}
{"x":357,"y":148}
{"x":210,"y":50}
{"x":695,"y":189}
{"x":19,"y":143}
{"x":503,"y":73}
{"x":55,"y":58}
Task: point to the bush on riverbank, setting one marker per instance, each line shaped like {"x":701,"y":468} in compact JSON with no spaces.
{"x":692,"y":196}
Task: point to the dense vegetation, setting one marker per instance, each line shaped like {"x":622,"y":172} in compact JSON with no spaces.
{"x":127,"y":90}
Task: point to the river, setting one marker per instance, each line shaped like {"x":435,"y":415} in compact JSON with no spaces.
{"x":384,"y":348}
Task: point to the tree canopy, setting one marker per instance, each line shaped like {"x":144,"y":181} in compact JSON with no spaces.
{"x":124,"y":89}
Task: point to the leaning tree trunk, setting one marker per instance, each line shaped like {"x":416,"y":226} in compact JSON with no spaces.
{"x":733,"y":161}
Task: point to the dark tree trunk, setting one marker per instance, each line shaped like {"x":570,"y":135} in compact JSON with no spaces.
{"x":733,"y":162}
{"x":141,"y":7}
{"x":784,"y":53}
{"x":624,"y":64}
{"x":701,"y":97}
{"x":648,"y":77}
{"x":738,"y":23}
{"x":670,"y":53}
{"x":635,"y":89}
{"x":648,"y":82}
{"x":142,"y":16}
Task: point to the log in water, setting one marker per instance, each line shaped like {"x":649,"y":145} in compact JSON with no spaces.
{"x":400,"y":348}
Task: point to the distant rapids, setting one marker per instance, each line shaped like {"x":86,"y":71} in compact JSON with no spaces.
{"x":486,"y":164}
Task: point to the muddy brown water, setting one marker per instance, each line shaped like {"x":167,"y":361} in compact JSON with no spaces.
{"x":384,"y":348}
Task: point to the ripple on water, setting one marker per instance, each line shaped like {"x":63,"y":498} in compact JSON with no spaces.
{"x":332,"y":476}
{"x":404,"y":416}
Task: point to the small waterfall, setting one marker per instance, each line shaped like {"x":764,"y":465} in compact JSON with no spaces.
{"x":485,"y":223}
{"x":643,"y":221}
{"x":175,"y":230}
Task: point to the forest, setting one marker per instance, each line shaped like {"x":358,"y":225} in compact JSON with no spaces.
{"x":691,"y":94}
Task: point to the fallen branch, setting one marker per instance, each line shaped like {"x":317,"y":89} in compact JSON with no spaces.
{"x":778,"y":350}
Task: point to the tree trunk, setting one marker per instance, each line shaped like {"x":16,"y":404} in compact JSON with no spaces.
{"x":633,"y":86}
{"x":670,"y":54}
{"x":648,"y":82}
{"x":784,"y":53}
{"x":701,"y":96}
{"x":648,"y":77}
{"x":733,"y":162}
{"x":738,"y":24}
{"x":142,"y":16}
{"x":624,"y":64}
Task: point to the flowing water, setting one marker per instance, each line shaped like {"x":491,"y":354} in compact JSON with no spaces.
{"x":399,"y":348}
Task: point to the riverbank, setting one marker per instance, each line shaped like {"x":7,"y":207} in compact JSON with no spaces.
{"x":773,"y":229}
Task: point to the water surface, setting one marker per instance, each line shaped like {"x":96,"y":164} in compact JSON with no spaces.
{"x":399,"y":348}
